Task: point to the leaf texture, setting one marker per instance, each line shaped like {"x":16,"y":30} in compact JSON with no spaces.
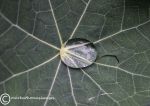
{"x":31,"y":35}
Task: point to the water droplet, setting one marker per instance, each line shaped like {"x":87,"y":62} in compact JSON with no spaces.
{"x":78,"y":53}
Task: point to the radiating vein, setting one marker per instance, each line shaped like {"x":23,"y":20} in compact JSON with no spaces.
{"x":53,"y":82}
{"x":77,"y":45}
{"x":79,"y":57}
{"x":1,"y":35}
{"x":71,"y":85}
{"x":9,"y":70}
{"x":108,"y":94}
{"x":116,"y":67}
{"x":34,"y":37}
{"x":122,"y":20}
{"x":72,"y":61}
{"x":58,"y":32}
{"x":115,"y":34}
{"x":19,"y":3}
{"x":110,"y":66}
{"x":28,"y":70}
{"x":72,"y":34}
{"x":97,"y":84}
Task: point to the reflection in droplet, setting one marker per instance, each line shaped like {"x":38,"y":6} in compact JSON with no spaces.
{"x":78,"y":53}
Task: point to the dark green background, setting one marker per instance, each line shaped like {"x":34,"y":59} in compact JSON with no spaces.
{"x":126,"y":24}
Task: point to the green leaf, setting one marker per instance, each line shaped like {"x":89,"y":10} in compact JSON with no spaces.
{"x":33,"y":31}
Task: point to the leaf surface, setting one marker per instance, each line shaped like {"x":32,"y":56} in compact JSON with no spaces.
{"x":32,"y":32}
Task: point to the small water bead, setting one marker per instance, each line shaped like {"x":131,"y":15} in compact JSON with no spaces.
{"x":78,"y":53}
